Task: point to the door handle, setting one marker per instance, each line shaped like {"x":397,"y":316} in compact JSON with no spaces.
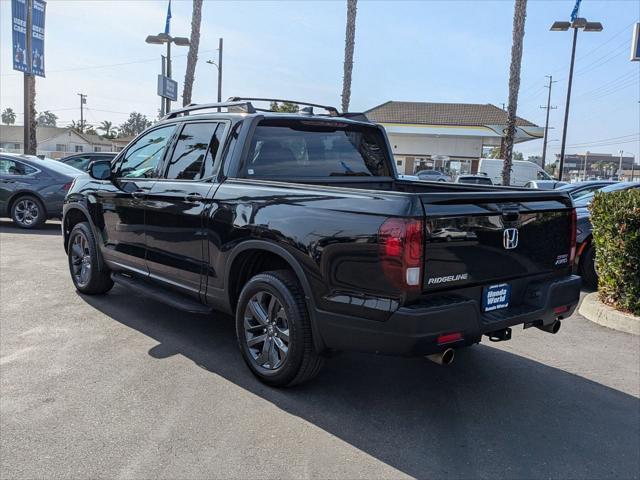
{"x":193,"y":197}
{"x":139,"y":194}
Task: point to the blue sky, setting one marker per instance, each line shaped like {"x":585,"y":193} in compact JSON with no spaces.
{"x":440,"y":51}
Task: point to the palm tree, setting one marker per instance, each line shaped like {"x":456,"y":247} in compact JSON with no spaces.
{"x":349,"y":45}
{"x":519,"y":16}
{"x":107,"y":127}
{"x":192,"y":58}
{"x":33,"y":142}
{"x":8,"y":116}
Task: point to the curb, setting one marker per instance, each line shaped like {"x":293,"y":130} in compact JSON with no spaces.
{"x":596,"y":311}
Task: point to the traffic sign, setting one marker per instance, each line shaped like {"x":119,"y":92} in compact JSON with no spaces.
{"x":167,"y":88}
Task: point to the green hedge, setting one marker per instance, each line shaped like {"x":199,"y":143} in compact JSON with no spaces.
{"x":615,"y":218}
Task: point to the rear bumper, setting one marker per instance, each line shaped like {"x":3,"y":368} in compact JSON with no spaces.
{"x":414,"y":330}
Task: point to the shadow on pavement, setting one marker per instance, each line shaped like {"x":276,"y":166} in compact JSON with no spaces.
{"x":490,"y":414}
{"x":48,"y":228}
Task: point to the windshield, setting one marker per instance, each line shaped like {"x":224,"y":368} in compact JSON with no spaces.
{"x":57,"y":166}
{"x":316,"y":148}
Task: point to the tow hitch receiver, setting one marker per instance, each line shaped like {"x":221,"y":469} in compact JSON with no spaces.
{"x":500,"y":335}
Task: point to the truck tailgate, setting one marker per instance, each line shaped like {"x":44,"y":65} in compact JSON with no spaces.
{"x":471,"y":239}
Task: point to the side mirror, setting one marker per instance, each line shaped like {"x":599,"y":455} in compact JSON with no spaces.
{"x":100,"y":169}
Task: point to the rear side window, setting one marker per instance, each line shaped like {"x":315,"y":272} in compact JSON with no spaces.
{"x":196,"y":146}
{"x":145,"y":155}
{"x":316,"y":148}
{"x":9,"y":167}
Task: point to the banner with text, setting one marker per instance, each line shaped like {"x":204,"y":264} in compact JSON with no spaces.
{"x":19,"y":24}
{"x":37,"y":37}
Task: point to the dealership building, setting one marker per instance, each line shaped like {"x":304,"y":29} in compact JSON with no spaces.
{"x":449,"y":137}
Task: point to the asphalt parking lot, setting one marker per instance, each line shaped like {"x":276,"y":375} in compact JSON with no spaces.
{"x":122,"y":387}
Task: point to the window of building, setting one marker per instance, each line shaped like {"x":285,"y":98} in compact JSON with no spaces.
{"x":97,"y":149}
{"x":61,"y":147}
{"x":79,"y":148}
{"x":193,"y":148}
{"x":16,"y":146}
{"x":145,"y":154}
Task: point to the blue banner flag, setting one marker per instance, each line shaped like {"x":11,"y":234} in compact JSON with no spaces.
{"x":167,"y":25}
{"x":37,"y":37}
{"x":19,"y":23}
{"x":575,"y":11}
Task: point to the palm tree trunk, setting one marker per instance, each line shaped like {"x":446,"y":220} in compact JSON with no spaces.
{"x":519,"y":16}
{"x":192,"y":58}
{"x":349,"y":45}
{"x":33,"y":143}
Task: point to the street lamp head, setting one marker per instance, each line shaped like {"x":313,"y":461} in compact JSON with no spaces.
{"x":579,"y":23}
{"x":560,"y":26}
{"x":155,"y":39}
{"x":181,"y":41}
{"x":164,"y":36}
{"x":593,"y":27}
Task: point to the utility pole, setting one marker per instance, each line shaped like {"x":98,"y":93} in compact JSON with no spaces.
{"x":546,"y":124}
{"x":586,"y":160}
{"x":168,"y":60}
{"x":162,"y":72}
{"x":620,"y":166}
{"x":29,"y":80}
{"x":220,"y":71}
{"x":83,"y":100}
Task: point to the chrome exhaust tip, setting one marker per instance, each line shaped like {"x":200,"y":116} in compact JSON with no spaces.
{"x":552,"y":327}
{"x":442,"y":358}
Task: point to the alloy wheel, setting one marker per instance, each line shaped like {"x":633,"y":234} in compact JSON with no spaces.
{"x":26,"y":212}
{"x":266,"y":330}
{"x":80,"y":259}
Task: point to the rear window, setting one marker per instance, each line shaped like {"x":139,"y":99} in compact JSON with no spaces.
{"x":316,"y":148}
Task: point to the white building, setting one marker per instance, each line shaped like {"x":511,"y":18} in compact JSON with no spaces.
{"x":445,"y":136}
{"x":54,"y":142}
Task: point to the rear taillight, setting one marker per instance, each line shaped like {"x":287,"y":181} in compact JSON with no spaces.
{"x":400,"y":243}
{"x":67,"y":186}
{"x":574,"y":226}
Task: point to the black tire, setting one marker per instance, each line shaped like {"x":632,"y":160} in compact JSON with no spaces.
{"x":28,"y":212}
{"x":588,"y":268}
{"x":300,"y":362}
{"x":88,"y":275}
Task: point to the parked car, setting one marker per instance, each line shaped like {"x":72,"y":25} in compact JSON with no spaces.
{"x":586,"y":253}
{"x":433,"y":176}
{"x":544,"y":184}
{"x":522,"y":171}
{"x":580,"y":189}
{"x":33,"y":189}
{"x":81,"y":161}
{"x":296,"y":225}
{"x":413,"y":178}
{"x":474,"y":179}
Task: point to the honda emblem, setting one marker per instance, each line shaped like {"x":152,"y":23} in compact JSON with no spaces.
{"x":510,"y":238}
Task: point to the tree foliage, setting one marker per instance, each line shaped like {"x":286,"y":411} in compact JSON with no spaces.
{"x":8,"y":116}
{"x":286,"y":107}
{"x":135,"y":124}
{"x":47,"y":119}
{"x":107,"y":127}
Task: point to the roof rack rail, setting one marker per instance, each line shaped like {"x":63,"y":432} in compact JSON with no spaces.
{"x":358,"y":116}
{"x":240,"y":105}
{"x":333,"y":111}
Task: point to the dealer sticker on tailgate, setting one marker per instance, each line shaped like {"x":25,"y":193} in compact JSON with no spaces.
{"x":495,"y":297}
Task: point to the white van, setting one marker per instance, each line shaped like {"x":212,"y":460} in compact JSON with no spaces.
{"x":522,"y":171}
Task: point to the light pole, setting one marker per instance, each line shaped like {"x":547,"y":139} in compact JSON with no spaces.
{"x":160,"y":39}
{"x":219,"y":67}
{"x":577,"y":24}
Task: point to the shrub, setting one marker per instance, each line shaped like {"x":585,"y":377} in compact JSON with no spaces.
{"x":615,"y":218}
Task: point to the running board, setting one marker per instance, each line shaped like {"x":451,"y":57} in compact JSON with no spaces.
{"x":164,"y":295}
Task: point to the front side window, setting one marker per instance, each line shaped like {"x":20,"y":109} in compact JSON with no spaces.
{"x":316,"y":148}
{"x":145,"y":155}
{"x":81,"y":163}
{"x":196,"y":145}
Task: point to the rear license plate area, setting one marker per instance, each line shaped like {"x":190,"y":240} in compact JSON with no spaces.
{"x":495,"y":297}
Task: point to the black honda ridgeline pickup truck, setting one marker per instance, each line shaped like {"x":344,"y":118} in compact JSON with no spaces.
{"x":299,"y":225}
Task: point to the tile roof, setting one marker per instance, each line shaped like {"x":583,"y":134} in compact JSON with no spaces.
{"x":453,"y":114}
